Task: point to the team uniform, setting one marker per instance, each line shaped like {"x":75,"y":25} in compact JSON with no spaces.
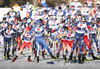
{"x":77,"y":5}
{"x":92,"y":34}
{"x":79,"y":35}
{"x":52,"y":11}
{"x":12,"y":15}
{"x":29,"y":8}
{"x":7,"y":40}
{"x":39,"y":31}
{"x":85,"y":12}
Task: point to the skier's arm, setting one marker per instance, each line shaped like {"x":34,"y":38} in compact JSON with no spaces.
{"x":33,"y":8}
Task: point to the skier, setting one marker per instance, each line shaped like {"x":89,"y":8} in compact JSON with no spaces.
{"x":7,"y":33}
{"x":38,"y":31}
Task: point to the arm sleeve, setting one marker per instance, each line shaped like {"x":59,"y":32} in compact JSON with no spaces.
{"x":33,"y":7}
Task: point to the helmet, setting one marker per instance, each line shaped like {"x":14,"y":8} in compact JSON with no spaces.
{"x":69,"y":20}
{"x":72,"y":6}
{"x":4,"y":19}
{"x":38,"y":21}
{"x":65,"y":27}
{"x":83,"y":18}
{"x":25,"y":19}
{"x":16,"y":20}
{"x":92,"y":20}
{"x":10,"y":25}
{"x":59,"y":8}
{"x":52,"y":7}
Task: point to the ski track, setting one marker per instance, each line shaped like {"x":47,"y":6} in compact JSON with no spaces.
{"x":21,"y":63}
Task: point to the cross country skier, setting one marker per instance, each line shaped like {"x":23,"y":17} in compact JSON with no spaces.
{"x":76,"y":4}
{"x":60,"y":31}
{"x":27,"y":42}
{"x":29,"y":7}
{"x":92,"y":34}
{"x":79,"y":36}
{"x":7,"y":33}
{"x":14,"y":35}
{"x":38,"y":31}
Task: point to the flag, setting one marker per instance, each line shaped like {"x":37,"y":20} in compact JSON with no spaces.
{"x":43,"y":2}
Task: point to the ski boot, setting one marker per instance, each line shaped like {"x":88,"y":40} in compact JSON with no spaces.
{"x":35,"y":52}
{"x":29,"y":59}
{"x":52,"y":56}
{"x":75,"y":61}
{"x":4,"y":54}
{"x":37,"y":59}
{"x":57,"y":55}
{"x":13,"y":52}
{"x":94,"y":58}
{"x":79,"y":59}
{"x":43,"y":54}
{"x":70,"y":58}
{"x":8,"y":55}
{"x":15,"y":58}
{"x":83,"y":58}
{"x":64,"y":56}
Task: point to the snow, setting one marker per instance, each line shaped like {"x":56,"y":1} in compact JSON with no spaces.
{"x":21,"y":63}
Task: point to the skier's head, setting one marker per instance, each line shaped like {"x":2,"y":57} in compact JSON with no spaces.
{"x":67,"y":7}
{"x":9,"y":26}
{"x":20,"y":22}
{"x":8,"y":15}
{"x":4,"y":19}
{"x":51,"y":17}
{"x":38,"y":22}
{"x":28,"y":2}
{"x":28,"y":29}
{"x":65,"y":28}
{"x":25,"y":20}
{"x":93,"y":20}
{"x":52,"y":8}
{"x":85,"y":4}
{"x":45,"y":11}
{"x":72,"y":7}
{"x":79,"y":17}
{"x":27,"y":14}
{"x":16,"y":21}
{"x":12,"y":9}
{"x":68,"y":21}
{"x":83,"y":19}
{"x":63,"y":3}
{"x":60,"y":9}
{"x":98,"y":3}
